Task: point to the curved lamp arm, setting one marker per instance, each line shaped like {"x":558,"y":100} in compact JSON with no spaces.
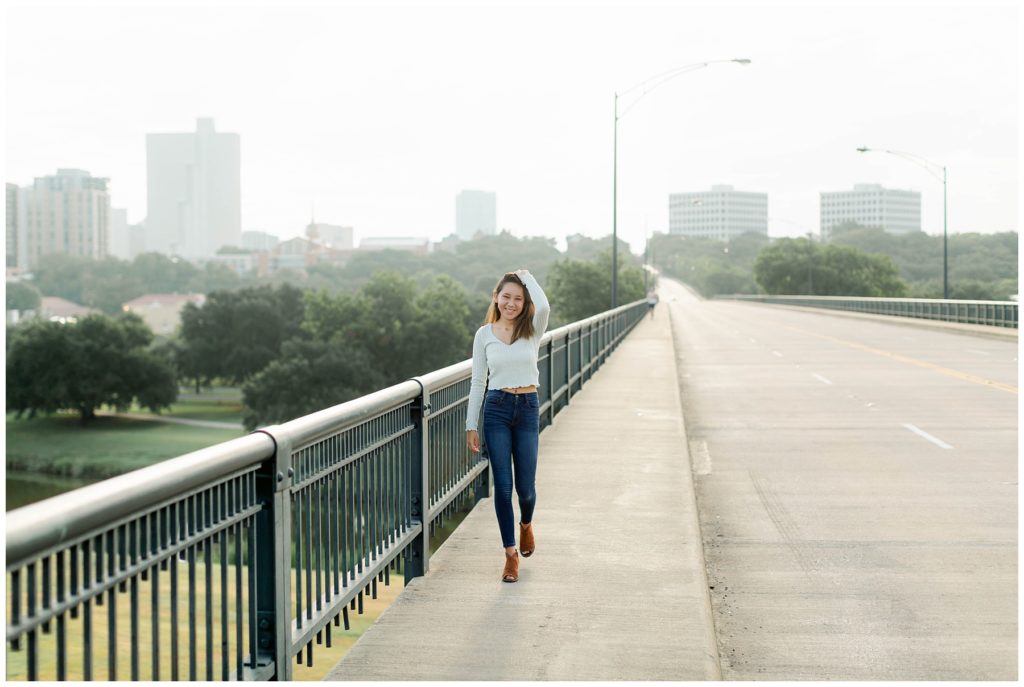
{"x":923,"y":163}
{"x":653,"y":82}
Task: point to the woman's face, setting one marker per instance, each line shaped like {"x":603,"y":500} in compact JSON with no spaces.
{"x":510,"y":302}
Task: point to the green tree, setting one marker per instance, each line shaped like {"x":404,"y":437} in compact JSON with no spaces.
{"x":62,"y":275}
{"x":22,"y":296}
{"x":214,"y":276}
{"x":110,"y":283}
{"x":163,"y":274}
{"x":710,"y":266}
{"x":355,"y":343}
{"x":801,"y":266}
{"x":85,"y":365}
{"x":405,"y":329}
{"x":308,"y":377}
{"x":727,"y":280}
{"x":440,"y":334}
{"x":580,"y":289}
{"x":235,"y":334}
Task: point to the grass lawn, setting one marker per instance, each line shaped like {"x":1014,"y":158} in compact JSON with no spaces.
{"x":105,"y":447}
{"x":221,"y":404}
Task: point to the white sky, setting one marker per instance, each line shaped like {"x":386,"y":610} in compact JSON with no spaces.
{"x":380,"y":113}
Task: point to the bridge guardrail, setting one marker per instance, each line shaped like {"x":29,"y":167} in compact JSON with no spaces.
{"x":268,"y":539}
{"x":993,"y":313}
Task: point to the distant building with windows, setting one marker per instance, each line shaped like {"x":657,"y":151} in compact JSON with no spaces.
{"x":15,"y":239}
{"x":721,"y":213}
{"x":476,"y":212}
{"x":193,"y":191}
{"x":331,"y":235}
{"x":258,"y":240}
{"x":120,"y":235}
{"x":66,"y":213}
{"x":61,"y":310}
{"x":871,"y":205}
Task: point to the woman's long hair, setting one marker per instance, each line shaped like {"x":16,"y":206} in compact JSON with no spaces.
{"x":524,"y":322}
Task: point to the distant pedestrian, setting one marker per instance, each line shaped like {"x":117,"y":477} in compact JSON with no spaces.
{"x":652,"y":300}
{"x":505,"y":352}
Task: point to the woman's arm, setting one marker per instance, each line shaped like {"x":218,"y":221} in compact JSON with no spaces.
{"x":478,"y":381}
{"x":541,"y":307}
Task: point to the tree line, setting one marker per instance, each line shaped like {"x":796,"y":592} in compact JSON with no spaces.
{"x":856,"y":261}
{"x":298,"y":350}
{"x":106,"y":284}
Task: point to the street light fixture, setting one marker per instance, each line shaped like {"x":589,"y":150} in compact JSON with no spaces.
{"x":929,"y":167}
{"x":647,"y":85}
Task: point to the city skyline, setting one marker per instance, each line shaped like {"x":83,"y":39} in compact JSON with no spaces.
{"x":379,"y":123}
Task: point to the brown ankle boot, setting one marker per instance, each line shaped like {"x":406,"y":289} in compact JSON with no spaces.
{"x":526,"y":543}
{"x":511,"y":572}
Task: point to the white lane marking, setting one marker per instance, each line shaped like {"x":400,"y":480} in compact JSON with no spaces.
{"x":925,"y":435}
{"x":974,"y":350}
{"x":821,"y":379}
{"x":777,"y":353}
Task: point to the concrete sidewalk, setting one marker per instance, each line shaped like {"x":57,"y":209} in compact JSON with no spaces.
{"x":617,"y":588}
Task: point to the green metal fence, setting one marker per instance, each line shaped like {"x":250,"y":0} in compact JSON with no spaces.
{"x":271,"y":539}
{"x":992,"y":313}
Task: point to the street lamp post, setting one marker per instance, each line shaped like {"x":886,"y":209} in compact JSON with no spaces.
{"x":648,"y":85}
{"x":929,"y":167}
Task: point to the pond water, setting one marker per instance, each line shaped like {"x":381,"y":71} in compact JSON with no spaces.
{"x":24,"y":488}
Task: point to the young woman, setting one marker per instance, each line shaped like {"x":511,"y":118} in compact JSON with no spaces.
{"x":505,"y":360}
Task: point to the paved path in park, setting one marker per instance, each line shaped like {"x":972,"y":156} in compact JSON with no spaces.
{"x":617,"y":587}
{"x":212,"y":424}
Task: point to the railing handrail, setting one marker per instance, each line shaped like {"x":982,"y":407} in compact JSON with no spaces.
{"x":864,"y":298}
{"x":998,"y":314}
{"x":39,"y":526}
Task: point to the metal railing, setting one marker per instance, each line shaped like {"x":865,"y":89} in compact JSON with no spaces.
{"x":237,"y":559}
{"x":993,"y":313}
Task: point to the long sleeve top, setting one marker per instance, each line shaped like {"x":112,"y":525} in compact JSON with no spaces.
{"x":500,"y":365}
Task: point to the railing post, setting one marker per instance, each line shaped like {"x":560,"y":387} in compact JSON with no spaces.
{"x":568,"y":368}
{"x":273,"y":592}
{"x":419,"y":551}
{"x":551,"y":380}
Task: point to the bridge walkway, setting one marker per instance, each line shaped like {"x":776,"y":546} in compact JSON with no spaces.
{"x":617,"y":588}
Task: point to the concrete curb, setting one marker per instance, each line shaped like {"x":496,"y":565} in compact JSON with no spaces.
{"x":714,"y":668}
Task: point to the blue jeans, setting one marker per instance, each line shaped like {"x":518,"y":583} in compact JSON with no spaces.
{"x":511,"y":428}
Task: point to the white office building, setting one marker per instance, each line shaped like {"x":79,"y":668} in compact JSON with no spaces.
{"x":871,"y":205}
{"x":476,"y":212}
{"x":721,"y":213}
{"x":193,"y":191}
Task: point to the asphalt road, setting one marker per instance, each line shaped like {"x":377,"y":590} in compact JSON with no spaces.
{"x":857,"y":490}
